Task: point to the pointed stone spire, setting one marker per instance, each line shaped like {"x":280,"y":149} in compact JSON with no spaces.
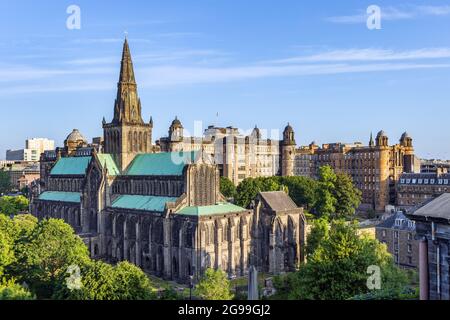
{"x":126,"y":67}
{"x":151,"y":121}
{"x":371,"y":142}
{"x":127,"y":108}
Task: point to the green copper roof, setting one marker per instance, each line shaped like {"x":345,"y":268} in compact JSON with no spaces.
{"x":107,"y":159}
{"x":221,"y":208}
{"x":146,"y":203}
{"x":71,"y":166}
{"x":60,"y":196}
{"x":161,"y":164}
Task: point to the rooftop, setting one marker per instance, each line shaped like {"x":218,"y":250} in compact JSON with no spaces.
{"x":221,"y":208}
{"x":437,"y":208}
{"x":145,"y":203}
{"x":161,"y":164}
{"x":71,"y":166}
{"x":278,"y":201}
{"x":58,"y":196}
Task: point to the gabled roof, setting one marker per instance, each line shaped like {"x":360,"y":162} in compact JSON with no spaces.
{"x":144,"y":203}
{"x":108,"y":161}
{"x":221,"y":208}
{"x":390,"y":222}
{"x":58,"y":196}
{"x":278,"y":201}
{"x":437,"y":208}
{"x":71,"y":166}
{"x":161,"y":164}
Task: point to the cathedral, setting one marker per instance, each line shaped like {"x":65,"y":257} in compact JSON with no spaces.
{"x":162,"y":211}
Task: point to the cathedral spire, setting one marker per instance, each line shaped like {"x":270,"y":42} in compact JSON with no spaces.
{"x":126,"y":67}
{"x":127,"y":108}
{"x":371,"y":142}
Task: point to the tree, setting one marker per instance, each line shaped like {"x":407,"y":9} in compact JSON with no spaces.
{"x":337,"y":197}
{"x":46,"y":253}
{"x":5,"y":182}
{"x":101,"y":281}
{"x":132,"y":283}
{"x":348,"y":197}
{"x":302,"y":190}
{"x":9,"y":290}
{"x":6,"y":252}
{"x":214,"y":285}
{"x":318,"y":232}
{"x":337,"y":269}
{"x":326,"y":202}
{"x":13,"y":205}
{"x":247,"y":191}
{"x":227,"y":187}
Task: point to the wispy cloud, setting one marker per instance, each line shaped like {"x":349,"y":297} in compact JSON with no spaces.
{"x":369,"y":54}
{"x":173,"y":75}
{"x":392,"y":13}
{"x":183,"y":68}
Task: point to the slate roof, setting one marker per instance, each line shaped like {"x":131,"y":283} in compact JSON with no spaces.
{"x":161,"y":164}
{"x":221,"y":208}
{"x":59,"y":196}
{"x":71,"y":166}
{"x":278,"y":200}
{"x":390,"y":223}
{"x":145,"y":203}
{"x":437,"y":208}
{"x":107,"y":159}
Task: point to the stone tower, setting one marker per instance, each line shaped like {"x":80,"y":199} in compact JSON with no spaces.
{"x":288,"y":152}
{"x":409,"y":159}
{"x":127,"y":134}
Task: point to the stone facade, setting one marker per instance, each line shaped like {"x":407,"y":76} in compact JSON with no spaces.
{"x":161,"y":211}
{"x":414,"y":189}
{"x":433,"y":232}
{"x":399,"y":235}
{"x":375,"y":169}
{"x":237,"y":156}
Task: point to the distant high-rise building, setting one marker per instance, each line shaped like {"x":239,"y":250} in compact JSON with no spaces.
{"x":33,"y":150}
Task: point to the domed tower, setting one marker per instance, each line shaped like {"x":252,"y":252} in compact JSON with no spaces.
{"x":382,"y":139}
{"x":176,"y":131}
{"x":256,"y":134}
{"x":410,"y":164}
{"x":74,"y":141}
{"x":406,"y":141}
{"x":288,"y":151}
{"x":127,"y":135}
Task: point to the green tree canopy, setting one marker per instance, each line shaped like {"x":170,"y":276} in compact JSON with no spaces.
{"x":227,"y":187}
{"x":337,"y":270}
{"x":319,"y":231}
{"x":102,"y":281}
{"x":5,"y":182}
{"x":13,"y":205}
{"x":348,"y":198}
{"x":214,"y":285}
{"x":46,"y":253}
{"x":337,"y":197}
{"x":9,"y":290}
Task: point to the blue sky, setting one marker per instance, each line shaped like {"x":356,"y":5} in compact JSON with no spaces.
{"x":314,"y":64}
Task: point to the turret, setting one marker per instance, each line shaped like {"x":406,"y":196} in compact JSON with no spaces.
{"x":288,"y":151}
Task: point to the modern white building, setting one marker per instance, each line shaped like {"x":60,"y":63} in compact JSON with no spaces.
{"x":33,"y":149}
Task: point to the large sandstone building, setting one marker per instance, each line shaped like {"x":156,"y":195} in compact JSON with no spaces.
{"x":162,"y":211}
{"x":375,"y":169}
